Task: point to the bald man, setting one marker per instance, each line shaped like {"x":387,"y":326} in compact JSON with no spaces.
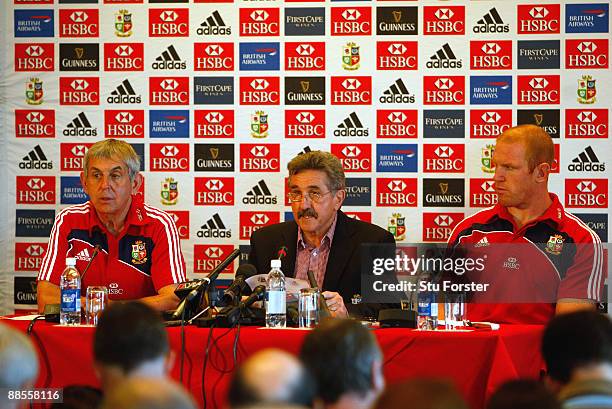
{"x":540,"y":259}
{"x":271,"y":376}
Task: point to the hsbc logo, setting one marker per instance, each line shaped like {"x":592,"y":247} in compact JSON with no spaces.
{"x":486,"y":123}
{"x":588,"y":123}
{"x":35,"y":250}
{"x":34,"y":124}
{"x":437,"y":227}
{"x":260,"y":158}
{"x":301,"y":56}
{"x":214,"y":56}
{"x":34,"y":57}
{"x":169,"y":91}
{"x":79,"y":23}
{"x":124,"y":123}
{"x":173,"y":157}
{"x":351,"y":21}
{"x":444,"y":20}
{"x":482,"y":193}
{"x":259,"y":22}
{"x":259,"y":91}
{"x":539,"y":19}
{"x":79,"y":91}
{"x":491,"y":55}
{"x":169,"y":22}
{"x":71,"y":156}
{"x":391,"y":192}
{"x":206,"y":257}
{"x":396,"y":55}
{"x":355,"y":157}
{"x":124,"y":57}
{"x":444,"y":90}
{"x":586,"y":193}
{"x":304,"y":124}
{"x":29,"y":256}
{"x":181,"y":219}
{"x":444,"y":158}
{"x":252,"y":221}
{"x":124,"y":50}
{"x":214,"y":124}
{"x":543,"y":89}
{"x":35,"y":190}
{"x":351,"y":90}
{"x":586,"y":54}
{"x":214,"y":191}
{"x":396,"y":123}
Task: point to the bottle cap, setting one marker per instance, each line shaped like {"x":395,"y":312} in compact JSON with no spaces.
{"x":275,"y":263}
{"x":70,"y":261}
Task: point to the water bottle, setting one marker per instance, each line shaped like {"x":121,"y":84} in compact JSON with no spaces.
{"x":70,"y":290}
{"x":427,"y":311}
{"x":276,"y":312}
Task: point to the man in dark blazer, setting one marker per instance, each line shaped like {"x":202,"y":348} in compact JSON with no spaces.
{"x":321,"y":238}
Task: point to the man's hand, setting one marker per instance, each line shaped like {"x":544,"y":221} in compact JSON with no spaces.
{"x":567,"y":305}
{"x":335,"y":303}
{"x":46,"y":293}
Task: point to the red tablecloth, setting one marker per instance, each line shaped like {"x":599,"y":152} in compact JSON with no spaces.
{"x":477,"y":361}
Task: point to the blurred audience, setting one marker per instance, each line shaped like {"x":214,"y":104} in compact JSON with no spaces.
{"x":148,"y":393}
{"x":79,"y":397}
{"x":577,"y":349}
{"x":130,"y":340}
{"x":346,"y":361}
{"x":271,"y":376}
{"x":421,"y":394}
{"x":18,"y":364}
{"x":523,"y":394}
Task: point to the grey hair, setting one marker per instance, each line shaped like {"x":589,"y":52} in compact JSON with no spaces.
{"x":18,"y":359}
{"x":114,"y":149}
{"x":319,"y":160}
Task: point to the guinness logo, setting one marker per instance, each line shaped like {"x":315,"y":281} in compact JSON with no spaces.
{"x":443,"y":187}
{"x":538,"y":119}
{"x":397,"y":16}
{"x":214,"y":152}
{"x":305,"y":85}
{"x":79,"y":51}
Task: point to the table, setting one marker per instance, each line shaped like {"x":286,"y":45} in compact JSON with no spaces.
{"x":476,"y":361}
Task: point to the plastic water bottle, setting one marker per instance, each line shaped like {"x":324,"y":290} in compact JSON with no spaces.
{"x":427,"y":311}
{"x":70,"y":290}
{"x":276,"y":312}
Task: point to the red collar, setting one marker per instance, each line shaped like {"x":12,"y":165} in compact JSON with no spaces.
{"x":136,"y":216}
{"x":553,"y":214}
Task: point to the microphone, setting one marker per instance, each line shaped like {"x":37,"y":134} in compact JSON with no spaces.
{"x":204,"y":283}
{"x":322,"y":304}
{"x":239,"y":284}
{"x":96,"y":250}
{"x":257,"y":295}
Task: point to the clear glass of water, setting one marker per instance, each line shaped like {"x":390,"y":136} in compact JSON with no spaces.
{"x":454,"y":311}
{"x":96,"y":300}
{"x":308,"y":311}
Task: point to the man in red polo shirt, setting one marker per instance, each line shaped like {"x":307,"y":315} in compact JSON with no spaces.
{"x":540,"y":260}
{"x":138,"y":249}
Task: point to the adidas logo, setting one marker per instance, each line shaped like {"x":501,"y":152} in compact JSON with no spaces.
{"x":259,"y":194}
{"x":444,"y":58}
{"x":214,"y":25}
{"x":491,"y":23}
{"x":587,"y":161}
{"x":305,"y":150}
{"x":169,"y":60}
{"x":482,"y":242}
{"x":83,"y":255}
{"x":397,"y":93}
{"x":124,"y":94}
{"x":214,"y":228}
{"x":351,"y":126}
{"x":80,"y":126}
{"x":36,"y":159}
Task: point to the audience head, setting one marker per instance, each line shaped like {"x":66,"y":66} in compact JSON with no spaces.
{"x":79,"y":397}
{"x":577,"y":342}
{"x":148,"y":393}
{"x":18,"y":359}
{"x":523,"y":394}
{"x":271,"y":376}
{"x":345,"y":360}
{"x":130,"y":339}
{"x":421,"y":394}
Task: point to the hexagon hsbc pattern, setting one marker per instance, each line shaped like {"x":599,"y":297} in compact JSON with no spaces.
{"x":238,"y":89}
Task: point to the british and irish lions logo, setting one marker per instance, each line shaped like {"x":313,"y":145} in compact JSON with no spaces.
{"x":139,"y":252}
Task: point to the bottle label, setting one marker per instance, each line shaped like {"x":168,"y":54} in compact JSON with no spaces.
{"x":276,"y":302}
{"x":71,"y":300}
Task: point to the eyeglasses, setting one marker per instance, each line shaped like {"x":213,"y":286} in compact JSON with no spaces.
{"x":314,"y":197}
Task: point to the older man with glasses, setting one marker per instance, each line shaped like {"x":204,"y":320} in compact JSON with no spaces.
{"x":321,"y":238}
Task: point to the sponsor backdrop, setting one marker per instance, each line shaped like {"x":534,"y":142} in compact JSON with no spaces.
{"x":217,"y":96}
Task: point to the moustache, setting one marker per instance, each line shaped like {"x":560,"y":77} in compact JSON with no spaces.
{"x":307,"y":212}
